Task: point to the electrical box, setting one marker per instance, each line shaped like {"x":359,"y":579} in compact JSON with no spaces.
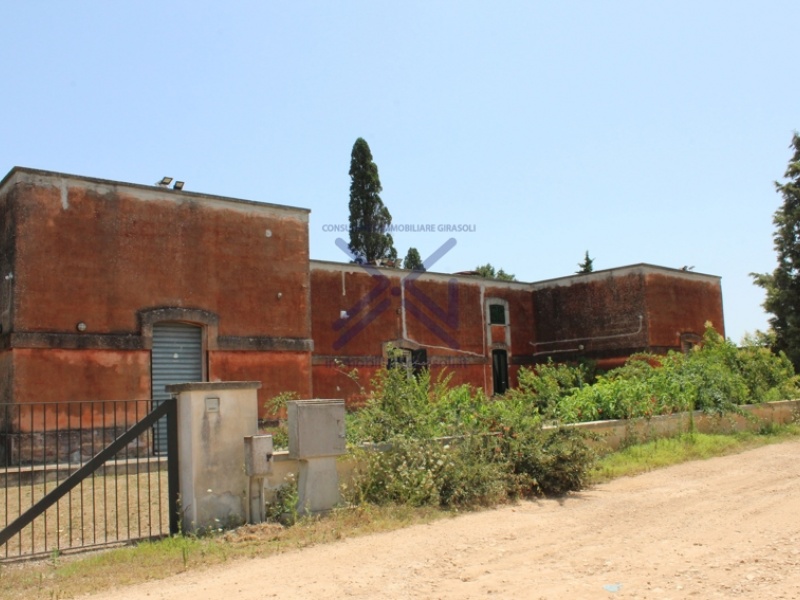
{"x":316,"y":428}
{"x":258,"y":450}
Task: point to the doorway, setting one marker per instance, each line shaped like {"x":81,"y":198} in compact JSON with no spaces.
{"x":177,"y":357}
{"x":500,"y":371}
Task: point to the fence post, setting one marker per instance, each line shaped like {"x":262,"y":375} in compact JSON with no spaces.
{"x":173,"y":467}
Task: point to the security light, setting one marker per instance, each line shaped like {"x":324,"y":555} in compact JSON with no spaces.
{"x":165,"y":181}
{"x":178,"y":185}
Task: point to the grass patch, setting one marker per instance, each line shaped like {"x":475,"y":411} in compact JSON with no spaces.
{"x":640,"y":458}
{"x":63,"y":577}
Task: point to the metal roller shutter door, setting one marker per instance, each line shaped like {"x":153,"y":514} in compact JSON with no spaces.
{"x":177,"y":357}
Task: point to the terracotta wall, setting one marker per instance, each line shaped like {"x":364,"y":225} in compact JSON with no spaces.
{"x":443,"y":315}
{"x":608,"y":315}
{"x":595,"y":315}
{"x":678,"y":305}
{"x":119,"y":257}
{"x":99,"y":255}
{"x":103,"y":253}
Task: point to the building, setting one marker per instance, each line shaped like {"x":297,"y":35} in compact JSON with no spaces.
{"x":111,"y":290}
{"x":483,"y":330}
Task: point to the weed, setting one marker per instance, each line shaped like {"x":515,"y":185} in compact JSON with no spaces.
{"x":284,"y":509}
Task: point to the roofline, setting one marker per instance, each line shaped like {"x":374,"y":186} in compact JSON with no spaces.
{"x":565,"y":280}
{"x":330,"y":265}
{"x":26,"y":171}
{"x":643,"y":268}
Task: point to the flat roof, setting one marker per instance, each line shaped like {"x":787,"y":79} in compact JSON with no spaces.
{"x":145,"y":192}
{"x":642,"y":268}
{"x":326,"y":265}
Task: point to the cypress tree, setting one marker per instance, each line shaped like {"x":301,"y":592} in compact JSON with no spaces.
{"x":369,"y":218}
{"x":783,"y":284}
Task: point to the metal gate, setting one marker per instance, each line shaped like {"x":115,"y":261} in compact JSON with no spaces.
{"x":177,"y":357}
{"x":81,"y":475}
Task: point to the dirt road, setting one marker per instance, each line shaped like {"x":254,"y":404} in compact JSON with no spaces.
{"x":723,"y":528}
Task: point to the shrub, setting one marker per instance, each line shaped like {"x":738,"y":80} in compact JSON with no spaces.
{"x":495,"y":448}
{"x":716,"y":377}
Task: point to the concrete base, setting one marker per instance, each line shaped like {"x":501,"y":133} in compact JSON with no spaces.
{"x":317,"y":485}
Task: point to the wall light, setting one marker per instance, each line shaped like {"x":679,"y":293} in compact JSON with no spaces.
{"x":81,"y":326}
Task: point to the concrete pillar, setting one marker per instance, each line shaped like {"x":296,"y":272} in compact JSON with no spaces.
{"x":213,"y":420}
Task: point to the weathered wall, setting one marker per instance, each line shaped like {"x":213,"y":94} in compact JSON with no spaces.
{"x":594,"y":315}
{"x":52,"y":375}
{"x":120,"y":257}
{"x":278,"y":372}
{"x":445,"y":316}
{"x":608,"y":315}
{"x":99,"y":254}
{"x":681,"y":304}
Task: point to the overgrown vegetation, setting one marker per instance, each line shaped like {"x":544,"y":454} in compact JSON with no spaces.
{"x":716,"y":377}
{"x":423,"y":442}
{"x":454,"y":447}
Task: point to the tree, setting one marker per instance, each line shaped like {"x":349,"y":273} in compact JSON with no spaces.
{"x":488,"y":271}
{"x":587,"y":266}
{"x":413,"y":260}
{"x":369,"y":218}
{"x":783,"y":284}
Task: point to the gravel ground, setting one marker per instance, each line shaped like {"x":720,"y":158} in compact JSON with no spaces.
{"x":723,"y":528}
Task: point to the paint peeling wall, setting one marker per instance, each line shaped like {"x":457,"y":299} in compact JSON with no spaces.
{"x":678,"y":307}
{"x":357,"y":311}
{"x":112,"y":255}
{"x":120,"y":258}
{"x":608,"y":315}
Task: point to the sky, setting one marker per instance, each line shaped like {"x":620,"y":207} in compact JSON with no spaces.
{"x":641,"y":132}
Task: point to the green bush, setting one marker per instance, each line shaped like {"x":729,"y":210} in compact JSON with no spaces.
{"x":716,"y":377}
{"x":454,"y":447}
{"x":429,"y":472}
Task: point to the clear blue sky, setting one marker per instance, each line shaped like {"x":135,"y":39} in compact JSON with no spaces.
{"x":639,"y":131}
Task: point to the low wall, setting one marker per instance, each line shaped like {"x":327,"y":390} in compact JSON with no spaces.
{"x":614,"y":434}
{"x":72,"y":445}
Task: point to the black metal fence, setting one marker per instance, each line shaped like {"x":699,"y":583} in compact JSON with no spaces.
{"x":77,"y":475}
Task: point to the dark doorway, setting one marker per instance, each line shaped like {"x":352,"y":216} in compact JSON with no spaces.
{"x":500,"y":371}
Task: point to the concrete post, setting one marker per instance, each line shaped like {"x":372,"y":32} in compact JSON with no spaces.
{"x":213,"y":420}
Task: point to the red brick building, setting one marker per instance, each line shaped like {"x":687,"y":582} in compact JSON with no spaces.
{"x":110,"y":290}
{"x":482,"y":330}
{"x":105,"y":286}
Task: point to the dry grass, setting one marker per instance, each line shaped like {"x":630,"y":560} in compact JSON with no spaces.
{"x":70,"y":576}
{"x":103,"y":509}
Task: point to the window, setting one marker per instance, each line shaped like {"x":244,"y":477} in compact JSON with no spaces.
{"x":497,"y":314}
{"x":414,"y":361}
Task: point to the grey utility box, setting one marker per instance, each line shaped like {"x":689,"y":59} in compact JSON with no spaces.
{"x":258,"y":451}
{"x":316,"y":428}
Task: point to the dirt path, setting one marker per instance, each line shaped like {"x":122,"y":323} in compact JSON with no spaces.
{"x":723,"y":528}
